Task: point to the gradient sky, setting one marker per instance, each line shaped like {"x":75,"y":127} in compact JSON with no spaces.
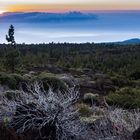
{"x":68,"y":5}
{"x":107,"y":27}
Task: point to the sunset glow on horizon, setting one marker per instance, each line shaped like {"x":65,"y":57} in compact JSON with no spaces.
{"x":1,"y":12}
{"x":64,"y":5}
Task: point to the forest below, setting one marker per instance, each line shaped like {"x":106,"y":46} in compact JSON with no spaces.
{"x":104,"y":58}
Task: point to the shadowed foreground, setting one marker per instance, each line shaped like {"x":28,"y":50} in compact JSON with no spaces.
{"x":38,"y":114}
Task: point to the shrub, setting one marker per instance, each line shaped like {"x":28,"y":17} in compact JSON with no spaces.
{"x":91,"y":98}
{"x":125,"y":97}
{"x":17,"y":77}
{"x":8,"y":80}
{"x":6,"y":121}
{"x":11,"y":80}
{"x":50,"y":79}
{"x":84,"y":110}
{"x":121,"y":81}
{"x":135,"y":75}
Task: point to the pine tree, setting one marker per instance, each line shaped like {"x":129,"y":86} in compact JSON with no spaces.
{"x":10,"y":37}
{"x":12,"y":58}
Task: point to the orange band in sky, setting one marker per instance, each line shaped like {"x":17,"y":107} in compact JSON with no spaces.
{"x":68,"y":5}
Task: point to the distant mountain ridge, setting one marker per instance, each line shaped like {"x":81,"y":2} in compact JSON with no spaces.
{"x":130,"y":41}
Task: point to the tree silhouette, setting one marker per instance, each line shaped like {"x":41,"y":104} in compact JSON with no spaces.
{"x":12,"y":54}
{"x":10,"y":37}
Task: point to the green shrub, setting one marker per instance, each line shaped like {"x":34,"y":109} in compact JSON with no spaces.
{"x":91,"y":98}
{"x":84,"y":110}
{"x":11,"y":80}
{"x":8,"y":80}
{"x":125,"y":97}
{"x":135,"y":75}
{"x":121,"y":81}
{"x":17,"y":77}
{"x":6,"y":121}
{"x":50,"y":79}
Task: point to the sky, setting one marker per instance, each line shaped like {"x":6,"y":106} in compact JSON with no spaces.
{"x":43,"y":27}
{"x":67,"y":5}
{"x":122,"y":22}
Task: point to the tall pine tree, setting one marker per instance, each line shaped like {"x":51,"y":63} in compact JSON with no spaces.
{"x":12,"y":57}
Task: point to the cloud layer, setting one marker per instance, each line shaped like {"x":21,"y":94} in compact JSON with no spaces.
{"x":71,"y":27}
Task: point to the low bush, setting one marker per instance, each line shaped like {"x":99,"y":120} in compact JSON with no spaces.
{"x":50,"y":79}
{"x":11,"y":80}
{"x":91,"y":98}
{"x":125,"y":97}
{"x":84,"y":110}
{"x":121,"y":81}
{"x":135,"y":75}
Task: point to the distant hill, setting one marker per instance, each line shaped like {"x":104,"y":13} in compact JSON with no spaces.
{"x":129,"y":41}
{"x":132,"y":41}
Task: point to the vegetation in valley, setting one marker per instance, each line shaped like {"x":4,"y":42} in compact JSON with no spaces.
{"x":119,"y":62}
